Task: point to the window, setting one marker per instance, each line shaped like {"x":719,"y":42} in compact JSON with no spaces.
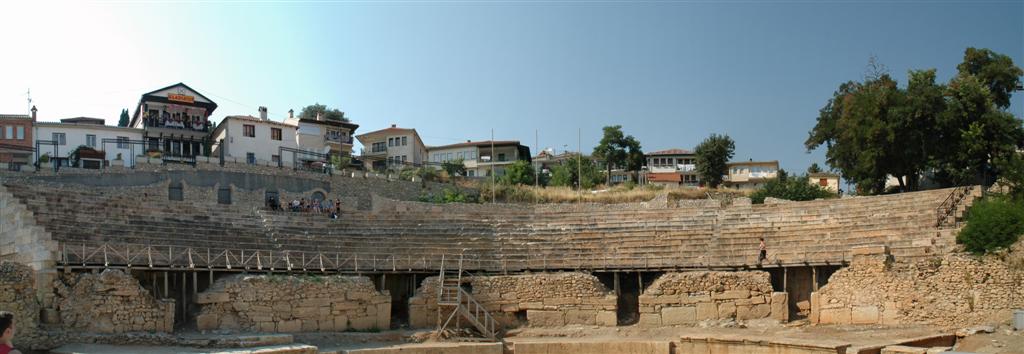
{"x":501,"y":157}
{"x":174,"y":192}
{"x":391,"y":142}
{"x":224,"y":196}
{"x":275,"y":158}
{"x":404,"y":141}
{"x":59,"y":138}
{"x":379,"y":147}
{"x":403,"y":159}
{"x":472,"y":173}
{"x":122,"y":142}
{"x":823,"y":182}
{"x":275,"y":133}
{"x":90,"y":140}
{"x":250,"y":158}
{"x":449,"y":156}
{"x":460,"y":155}
{"x":21,"y":133}
{"x":10,"y":132}
{"x":249,"y":130}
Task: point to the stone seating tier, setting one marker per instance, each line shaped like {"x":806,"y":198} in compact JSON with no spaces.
{"x":816,"y":231}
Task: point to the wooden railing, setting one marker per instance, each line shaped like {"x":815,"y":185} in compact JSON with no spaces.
{"x":86,"y":254}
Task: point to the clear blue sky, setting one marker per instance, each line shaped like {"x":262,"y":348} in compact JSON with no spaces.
{"x":670,"y":73}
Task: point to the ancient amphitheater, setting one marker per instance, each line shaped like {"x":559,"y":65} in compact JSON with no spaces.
{"x":187,"y":257}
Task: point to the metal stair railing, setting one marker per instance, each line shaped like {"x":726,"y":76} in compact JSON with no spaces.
{"x":947,"y":209}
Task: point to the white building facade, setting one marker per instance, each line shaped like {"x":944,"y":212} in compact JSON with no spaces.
{"x":255,"y":140}
{"x":117,"y":143}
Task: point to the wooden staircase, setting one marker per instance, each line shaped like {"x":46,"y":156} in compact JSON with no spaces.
{"x":452,"y":297}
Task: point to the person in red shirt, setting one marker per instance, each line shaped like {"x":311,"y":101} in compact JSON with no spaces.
{"x":7,"y":328}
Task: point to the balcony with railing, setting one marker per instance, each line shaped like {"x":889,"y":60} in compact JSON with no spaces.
{"x":337,"y":139}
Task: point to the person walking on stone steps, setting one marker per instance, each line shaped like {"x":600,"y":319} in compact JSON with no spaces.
{"x":7,"y":333}
{"x":763,"y":252}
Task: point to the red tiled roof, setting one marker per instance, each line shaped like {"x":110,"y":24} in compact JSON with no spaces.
{"x":671,"y":152}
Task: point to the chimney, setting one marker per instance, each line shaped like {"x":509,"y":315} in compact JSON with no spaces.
{"x":34,"y":113}
{"x":291,"y":113}
{"x":394,"y":125}
{"x":263,"y":113}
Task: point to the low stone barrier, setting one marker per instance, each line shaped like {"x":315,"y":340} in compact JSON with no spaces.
{"x":18,"y":296}
{"x":111,"y":302}
{"x":566,"y":346}
{"x":957,"y":290}
{"x":690,"y":297}
{"x":262,"y":303}
{"x":545,"y":299}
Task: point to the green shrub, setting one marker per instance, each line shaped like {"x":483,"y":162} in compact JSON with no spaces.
{"x":792,"y":188}
{"x":993,"y":222}
{"x":449,"y":195}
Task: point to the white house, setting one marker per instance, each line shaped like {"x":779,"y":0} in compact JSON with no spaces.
{"x":255,"y":140}
{"x":392,"y":148}
{"x":70,"y":133}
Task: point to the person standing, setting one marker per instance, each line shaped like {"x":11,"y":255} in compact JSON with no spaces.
{"x":7,"y":330}
{"x":763,"y":252}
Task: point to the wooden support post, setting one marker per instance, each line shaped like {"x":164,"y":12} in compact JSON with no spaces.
{"x":195,"y":284}
{"x":640,"y":282}
{"x":156,"y":292}
{"x":383,"y":277}
{"x":184,"y":299}
{"x":785,"y":279}
{"x":814,"y":278}
{"x":165,"y":285}
{"x":618,"y":288}
{"x":211,"y":279}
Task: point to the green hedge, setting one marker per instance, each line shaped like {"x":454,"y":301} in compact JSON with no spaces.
{"x":994,"y":222}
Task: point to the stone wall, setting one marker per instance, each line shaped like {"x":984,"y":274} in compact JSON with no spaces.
{"x":546,"y":299}
{"x":690,"y":297}
{"x":957,"y":290}
{"x":18,"y":296}
{"x":294,"y":304}
{"x":111,"y":302}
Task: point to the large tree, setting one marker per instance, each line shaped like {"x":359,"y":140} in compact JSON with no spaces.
{"x":712,"y":155}
{"x":310,"y":112}
{"x":519,"y":172}
{"x":618,"y":150}
{"x":123,"y":122}
{"x":996,"y":71}
{"x":875,"y":129}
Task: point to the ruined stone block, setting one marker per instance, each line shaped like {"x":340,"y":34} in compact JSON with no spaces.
{"x":607,"y":318}
{"x":363,"y":323}
{"x":727,"y":310}
{"x":759,"y":311}
{"x":310,"y":326}
{"x":835,"y":316}
{"x":340,"y":323}
{"x":543,"y":318}
{"x":212,"y":297}
{"x":779,"y":306}
{"x":678,"y":315}
{"x":902,"y":349}
{"x":207,"y":322}
{"x":864,"y":315}
{"x":580,"y":317}
{"x":650,"y":320}
{"x":731,"y":294}
{"x":291,"y":326}
{"x":707,"y":311}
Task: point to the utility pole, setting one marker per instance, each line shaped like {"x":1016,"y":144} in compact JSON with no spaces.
{"x":579,"y":162}
{"x":493,"y":185}
{"x":536,"y":147}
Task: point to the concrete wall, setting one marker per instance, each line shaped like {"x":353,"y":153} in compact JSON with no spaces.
{"x":547,"y":299}
{"x":111,"y":302}
{"x":956,"y":290}
{"x":294,"y":304}
{"x":690,"y":297}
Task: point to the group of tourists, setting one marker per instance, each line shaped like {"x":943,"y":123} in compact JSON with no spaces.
{"x":328,"y":206}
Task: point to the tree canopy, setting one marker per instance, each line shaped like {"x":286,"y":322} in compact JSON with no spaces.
{"x":792,"y":188}
{"x":711,"y":157}
{"x":519,"y":172}
{"x":310,"y":112}
{"x":565,"y":174}
{"x":123,"y":122}
{"x":874,"y":129}
{"x":618,"y":150}
{"x":454,"y":167}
